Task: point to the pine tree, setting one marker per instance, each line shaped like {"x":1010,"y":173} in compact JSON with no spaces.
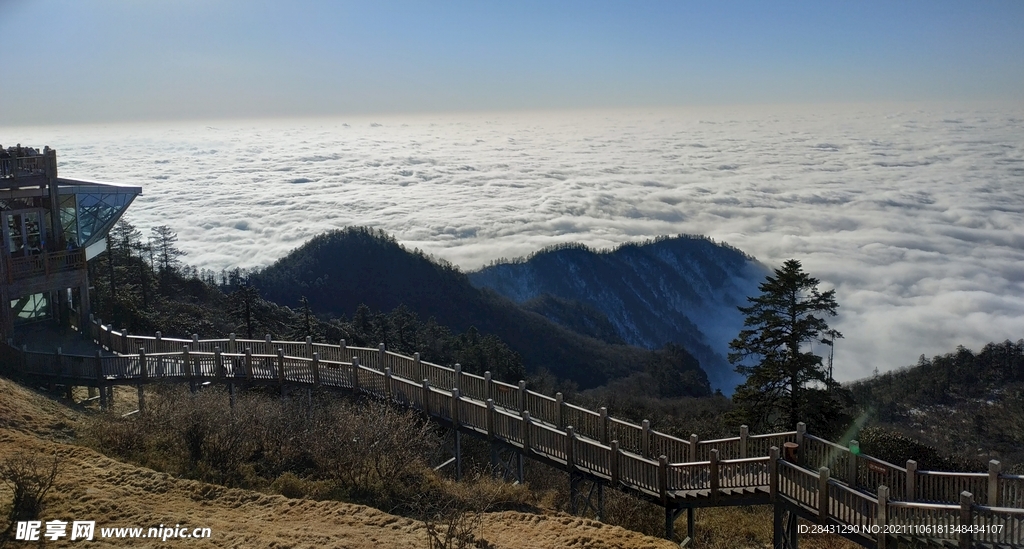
{"x":167,"y":253}
{"x":783,"y":387}
{"x":305,"y":324}
{"x":126,"y":244}
{"x":244,"y":300}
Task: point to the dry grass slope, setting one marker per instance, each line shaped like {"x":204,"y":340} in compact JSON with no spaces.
{"x":94,"y":487}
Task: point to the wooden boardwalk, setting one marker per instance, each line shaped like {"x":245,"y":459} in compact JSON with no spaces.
{"x":872,"y":502}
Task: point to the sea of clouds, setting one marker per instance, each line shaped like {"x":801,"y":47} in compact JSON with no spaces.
{"x":912,"y":213}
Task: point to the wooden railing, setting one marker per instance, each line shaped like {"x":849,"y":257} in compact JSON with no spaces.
{"x":864,"y":472}
{"x":43,"y":264}
{"x":569,"y":436}
{"x":22,"y":166}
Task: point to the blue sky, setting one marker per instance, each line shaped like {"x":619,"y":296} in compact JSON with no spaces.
{"x":107,"y":61}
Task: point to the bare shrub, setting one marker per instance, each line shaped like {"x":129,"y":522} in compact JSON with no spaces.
{"x":373,"y":449}
{"x":370,"y":452}
{"x":122,"y":437}
{"x":453,"y":511}
{"x":29,"y":476}
{"x":451,"y":525}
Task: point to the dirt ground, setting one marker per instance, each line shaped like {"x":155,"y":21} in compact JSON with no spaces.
{"x":114,"y":494}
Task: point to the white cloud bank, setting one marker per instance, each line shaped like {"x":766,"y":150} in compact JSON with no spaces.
{"x":913,"y":214}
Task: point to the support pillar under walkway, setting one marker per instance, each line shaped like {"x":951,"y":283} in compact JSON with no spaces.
{"x":671,"y":514}
{"x":507,"y":462}
{"x":455,"y":449}
{"x":586,"y":495}
{"x":784,"y":528}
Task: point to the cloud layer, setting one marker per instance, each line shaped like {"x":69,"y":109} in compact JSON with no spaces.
{"x":913,"y":214}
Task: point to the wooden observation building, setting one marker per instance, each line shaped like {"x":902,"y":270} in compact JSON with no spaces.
{"x":51,"y":226}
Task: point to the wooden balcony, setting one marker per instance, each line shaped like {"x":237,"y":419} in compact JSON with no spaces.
{"x":43,"y":264}
{"x":27,"y":170}
{"x":43,"y":271}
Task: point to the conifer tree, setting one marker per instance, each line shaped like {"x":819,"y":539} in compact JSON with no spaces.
{"x":244,"y":300}
{"x":167,"y":254}
{"x":784,"y":386}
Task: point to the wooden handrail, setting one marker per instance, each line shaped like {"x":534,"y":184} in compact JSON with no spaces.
{"x":44,"y":264}
{"x":509,"y":389}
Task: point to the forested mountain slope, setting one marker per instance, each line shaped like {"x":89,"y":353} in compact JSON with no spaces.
{"x":340,"y":270}
{"x":681,"y":290}
{"x":963,"y":403}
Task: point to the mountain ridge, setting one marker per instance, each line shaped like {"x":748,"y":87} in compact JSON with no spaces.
{"x":682,"y":290}
{"x":341,"y":270}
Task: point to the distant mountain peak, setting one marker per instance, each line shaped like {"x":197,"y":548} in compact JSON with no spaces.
{"x":681,"y":289}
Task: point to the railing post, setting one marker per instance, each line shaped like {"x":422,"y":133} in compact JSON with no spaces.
{"x":195,"y":341}
{"x":715,"y":479}
{"x":458,"y":374}
{"x":744,"y":433}
{"x":426,"y":396}
{"x":663,"y":479}
{"x":603,"y":433}
{"x":159,"y":342}
{"x":355,"y":374}
{"x":380,"y":355}
{"x":882,"y":518}
{"x":316,"y":370}
{"x":143,"y":367}
{"x":823,"y":478}
{"x":280,"y":367}
{"x":309,"y":346}
{"x":994,"y":469}
{"x":124,"y":340}
{"x":456,"y":397}
{"x":526,"y":432}
{"x":966,"y":504}
{"x":248,"y":363}
{"x":773,"y":472}
{"x":417,"y":366}
{"x":645,"y":438}
{"x":911,"y":494}
{"x":570,"y":458}
{"x":343,"y":348}
{"x":521,"y":397}
{"x":801,"y":430}
{"x":187,"y":359}
{"x":218,"y":362}
{"x":388,"y":382}
{"x":559,"y":420}
{"x":490,"y":419}
{"x":232,"y":346}
{"x":851,"y":471}
{"x":488,"y":390}
{"x":693,"y":447}
{"x":615,"y":463}
{"x":100,"y":380}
